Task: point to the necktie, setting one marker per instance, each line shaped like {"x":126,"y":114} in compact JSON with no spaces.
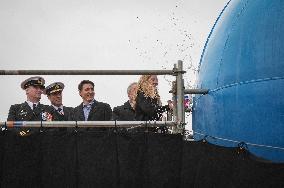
{"x":60,"y":111}
{"x":34,"y":106}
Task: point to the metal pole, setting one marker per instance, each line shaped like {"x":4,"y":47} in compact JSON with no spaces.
{"x":196,"y":91}
{"x":180,"y":96}
{"x":174,"y":98}
{"x":122,"y":124}
{"x":87,"y":72}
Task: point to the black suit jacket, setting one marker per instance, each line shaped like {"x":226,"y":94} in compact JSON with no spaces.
{"x":148,"y":109}
{"x":99,"y":112}
{"x":56,"y":116}
{"x":123,"y":113}
{"x":23,"y":112}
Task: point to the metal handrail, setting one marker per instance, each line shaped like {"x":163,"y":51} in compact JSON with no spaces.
{"x":107,"y":124}
{"x":196,"y":91}
{"x":88,"y":72}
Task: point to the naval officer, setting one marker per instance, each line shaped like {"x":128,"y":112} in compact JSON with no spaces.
{"x":56,"y":109}
{"x":31,"y":109}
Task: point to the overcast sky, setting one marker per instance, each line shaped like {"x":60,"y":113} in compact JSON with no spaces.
{"x":98,"y":35}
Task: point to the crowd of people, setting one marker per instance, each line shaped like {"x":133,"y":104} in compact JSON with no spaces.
{"x":144,"y":103}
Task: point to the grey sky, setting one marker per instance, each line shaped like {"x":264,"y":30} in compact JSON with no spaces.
{"x":93,"y":34}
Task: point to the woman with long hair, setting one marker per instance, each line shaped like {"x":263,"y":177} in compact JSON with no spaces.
{"x":148,"y":104}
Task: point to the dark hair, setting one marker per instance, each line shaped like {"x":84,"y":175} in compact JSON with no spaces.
{"x":80,"y":86}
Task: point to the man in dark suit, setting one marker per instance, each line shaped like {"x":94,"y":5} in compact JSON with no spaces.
{"x":31,"y":109}
{"x":56,"y":109}
{"x":90,"y":109}
{"x":126,"y":111}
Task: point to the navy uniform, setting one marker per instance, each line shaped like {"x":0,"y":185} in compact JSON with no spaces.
{"x":28,"y":111}
{"x":58,"y":113}
{"x":62,"y":114}
{"x":23,"y":112}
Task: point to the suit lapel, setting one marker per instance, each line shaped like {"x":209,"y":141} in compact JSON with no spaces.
{"x":56,"y":114}
{"x":38,"y":109}
{"x":27,"y":107}
{"x":67,"y":113}
{"x":81,"y":113}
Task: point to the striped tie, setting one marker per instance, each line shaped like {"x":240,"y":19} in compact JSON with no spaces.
{"x":60,"y":111}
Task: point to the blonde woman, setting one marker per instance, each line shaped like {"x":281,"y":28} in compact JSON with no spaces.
{"x":148,"y":104}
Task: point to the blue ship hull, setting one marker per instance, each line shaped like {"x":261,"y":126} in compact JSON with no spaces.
{"x":242,"y":65}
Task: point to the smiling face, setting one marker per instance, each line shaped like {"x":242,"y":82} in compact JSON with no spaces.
{"x":87,"y":93}
{"x":34,"y":93}
{"x":56,"y":98}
